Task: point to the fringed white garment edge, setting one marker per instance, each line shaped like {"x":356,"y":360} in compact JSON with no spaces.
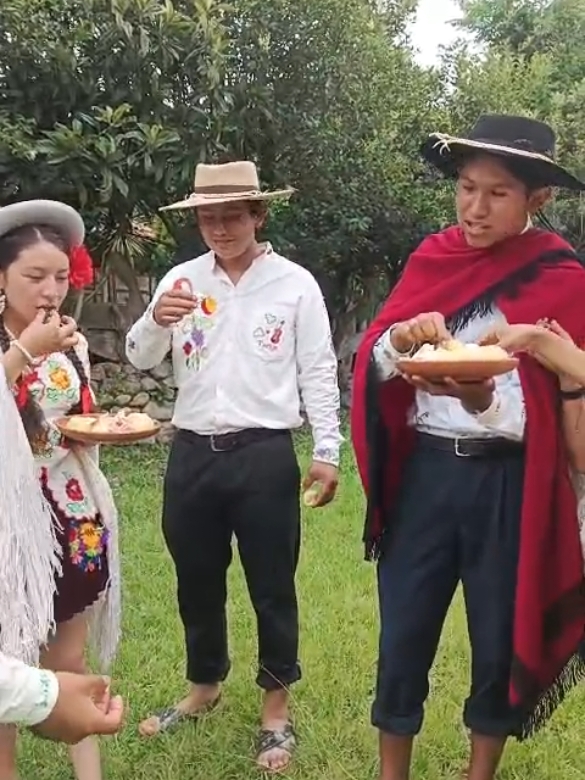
{"x":105,"y":615}
{"x":29,"y":551}
{"x":579,"y":485}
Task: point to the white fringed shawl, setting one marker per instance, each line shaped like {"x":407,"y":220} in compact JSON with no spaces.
{"x":29,"y":552}
{"x":579,"y":485}
{"x":105,"y":616}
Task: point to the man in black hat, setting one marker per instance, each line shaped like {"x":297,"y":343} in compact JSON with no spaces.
{"x":469,"y":482}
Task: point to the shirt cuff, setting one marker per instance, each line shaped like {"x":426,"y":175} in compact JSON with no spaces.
{"x":150,"y":322}
{"x":491,"y":415}
{"x":328,"y":455}
{"x":42,"y":692}
{"x":389,"y":349}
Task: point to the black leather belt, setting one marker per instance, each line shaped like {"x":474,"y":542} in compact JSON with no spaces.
{"x":472,"y":448}
{"x":226,"y":442}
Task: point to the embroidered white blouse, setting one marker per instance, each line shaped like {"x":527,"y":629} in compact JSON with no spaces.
{"x":78,"y":492}
{"x":249,"y":352}
{"x":56,"y":387}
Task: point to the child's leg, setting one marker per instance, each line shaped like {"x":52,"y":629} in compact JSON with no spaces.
{"x":66,"y":653}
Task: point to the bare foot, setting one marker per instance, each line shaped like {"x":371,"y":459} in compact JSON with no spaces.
{"x":276,"y":729}
{"x":197,"y":702}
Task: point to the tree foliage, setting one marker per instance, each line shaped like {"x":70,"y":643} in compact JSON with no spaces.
{"x":110,"y":104}
{"x":533,"y":64}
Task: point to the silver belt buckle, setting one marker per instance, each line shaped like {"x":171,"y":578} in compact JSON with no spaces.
{"x":458,"y":450}
{"x":213,"y":445}
{"x":228,"y":439}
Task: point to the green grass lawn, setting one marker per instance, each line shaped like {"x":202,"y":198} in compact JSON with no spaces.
{"x":338,"y":649}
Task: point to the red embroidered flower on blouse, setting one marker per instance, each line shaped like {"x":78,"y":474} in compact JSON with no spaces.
{"x":73,"y":490}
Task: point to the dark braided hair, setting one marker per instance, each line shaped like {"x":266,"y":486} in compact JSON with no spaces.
{"x":11,"y":246}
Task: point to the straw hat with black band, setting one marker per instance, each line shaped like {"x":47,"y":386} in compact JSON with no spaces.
{"x":527,"y":141}
{"x":226,"y":183}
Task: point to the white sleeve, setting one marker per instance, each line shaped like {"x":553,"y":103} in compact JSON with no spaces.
{"x":147,"y":343}
{"x":27,"y":695}
{"x":506,"y":415}
{"x":385,"y":356}
{"x":317,"y":372}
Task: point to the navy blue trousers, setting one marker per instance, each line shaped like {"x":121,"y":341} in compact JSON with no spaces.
{"x":457,"y":519}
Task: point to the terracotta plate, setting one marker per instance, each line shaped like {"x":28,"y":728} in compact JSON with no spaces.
{"x":461,"y":370}
{"x":87,"y":437}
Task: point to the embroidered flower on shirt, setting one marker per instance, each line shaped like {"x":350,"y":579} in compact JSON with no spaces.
{"x":194,"y":330}
{"x":72,"y":495}
{"x":268,"y":336}
{"x":208,"y":305}
{"x":73,"y":490}
{"x":60,"y":378}
{"x":59,"y":387}
{"x":87,"y":544}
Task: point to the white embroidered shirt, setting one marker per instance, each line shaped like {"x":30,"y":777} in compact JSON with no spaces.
{"x":249,"y":352}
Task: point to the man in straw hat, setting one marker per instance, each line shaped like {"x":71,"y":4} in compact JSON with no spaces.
{"x":249,"y":334}
{"x":469,"y":482}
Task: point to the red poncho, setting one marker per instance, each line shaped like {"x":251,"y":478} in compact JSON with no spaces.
{"x":528,"y":277}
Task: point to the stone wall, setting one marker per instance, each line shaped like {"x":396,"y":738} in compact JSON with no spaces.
{"x":120,"y":386}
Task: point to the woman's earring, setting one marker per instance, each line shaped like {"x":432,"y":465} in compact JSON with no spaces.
{"x":2,"y":302}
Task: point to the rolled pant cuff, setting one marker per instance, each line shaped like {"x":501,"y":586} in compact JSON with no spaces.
{"x":269,"y":681}
{"x":207,"y":676}
{"x":398,"y":726}
{"x":486,"y":727}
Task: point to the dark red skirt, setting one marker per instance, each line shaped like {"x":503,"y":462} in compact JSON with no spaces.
{"x":84,"y":563}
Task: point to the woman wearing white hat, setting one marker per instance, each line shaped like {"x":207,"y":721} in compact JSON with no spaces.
{"x":58,"y":546}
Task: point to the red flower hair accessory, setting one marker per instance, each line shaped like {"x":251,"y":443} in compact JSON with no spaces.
{"x":80,"y":267}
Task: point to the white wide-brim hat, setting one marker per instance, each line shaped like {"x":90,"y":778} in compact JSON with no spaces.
{"x":226,"y":183}
{"x":51,"y":213}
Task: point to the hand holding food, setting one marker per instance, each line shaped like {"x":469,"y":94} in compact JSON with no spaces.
{"x":426,"y":328}
{"x":172,"y":306}
{"x":49,"y":332}
{"x":320,"y":484}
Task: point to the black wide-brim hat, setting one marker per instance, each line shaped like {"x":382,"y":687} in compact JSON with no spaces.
{"x":505,"y":136}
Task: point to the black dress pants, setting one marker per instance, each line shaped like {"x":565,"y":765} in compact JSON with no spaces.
{"x":457,"y":520}
{"x":250,"y":491}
